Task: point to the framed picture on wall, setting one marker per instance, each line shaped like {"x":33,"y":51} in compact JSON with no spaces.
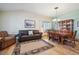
{"x":29,"y":23}
{"x":77,"y":23}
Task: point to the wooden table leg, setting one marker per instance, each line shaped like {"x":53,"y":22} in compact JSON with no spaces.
{"x":62,"y":40}
{"x":59,"y":40}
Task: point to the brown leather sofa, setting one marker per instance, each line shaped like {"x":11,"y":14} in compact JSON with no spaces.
{"x":24,"y":36}
{"x":6,"y":39}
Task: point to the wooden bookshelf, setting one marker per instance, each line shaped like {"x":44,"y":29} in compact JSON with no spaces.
{"x":66,"y":25}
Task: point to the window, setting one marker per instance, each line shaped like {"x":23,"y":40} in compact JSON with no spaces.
{"x":46,"y":25}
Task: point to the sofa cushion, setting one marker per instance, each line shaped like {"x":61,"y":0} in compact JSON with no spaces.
{"x":23,"y":32}
{"x":8,"y":38}
{"x":35,"y":31}
{"x":28,"y":36}
{"x":37,"y":35}
{"x":3,"y":34}
{"x":30,"y":32}
{"x":24,"y":36}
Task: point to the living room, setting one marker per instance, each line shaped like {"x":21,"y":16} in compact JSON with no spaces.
{"x":32,"y":25}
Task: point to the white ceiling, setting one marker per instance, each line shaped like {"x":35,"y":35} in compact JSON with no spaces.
{"x":46,"y":9}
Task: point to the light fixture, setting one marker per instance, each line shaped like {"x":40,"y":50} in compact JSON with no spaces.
{"x":56,"y":8}
{"x":56,"y":18}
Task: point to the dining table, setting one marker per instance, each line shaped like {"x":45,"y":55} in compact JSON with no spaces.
{"x":62,"y":35}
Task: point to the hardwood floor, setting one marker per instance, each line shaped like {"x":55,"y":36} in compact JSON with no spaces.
{"x":7,"y":51}
{"x":58,"y":49}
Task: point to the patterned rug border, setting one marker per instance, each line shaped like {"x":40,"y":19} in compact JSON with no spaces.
{"x":31,"y":52}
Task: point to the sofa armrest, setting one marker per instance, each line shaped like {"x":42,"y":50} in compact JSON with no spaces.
{"x":2,"y":39}
{"x":13,"y":35}
{"x":19,"y":35}
{"x":40,"y":33}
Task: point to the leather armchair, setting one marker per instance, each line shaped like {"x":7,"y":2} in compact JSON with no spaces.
{"x":7,"y":40}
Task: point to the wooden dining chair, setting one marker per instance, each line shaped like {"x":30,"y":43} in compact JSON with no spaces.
{"x":72,"y":39}
{"x":57,"y":37}
{"x":51,"y":36}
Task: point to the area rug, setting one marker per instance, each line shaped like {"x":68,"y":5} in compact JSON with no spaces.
{"x":31,"y":47}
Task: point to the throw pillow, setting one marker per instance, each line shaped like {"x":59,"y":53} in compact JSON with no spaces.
{"x":30,"y":32}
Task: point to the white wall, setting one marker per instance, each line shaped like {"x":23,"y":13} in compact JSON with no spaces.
{"x":13,"y":21}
